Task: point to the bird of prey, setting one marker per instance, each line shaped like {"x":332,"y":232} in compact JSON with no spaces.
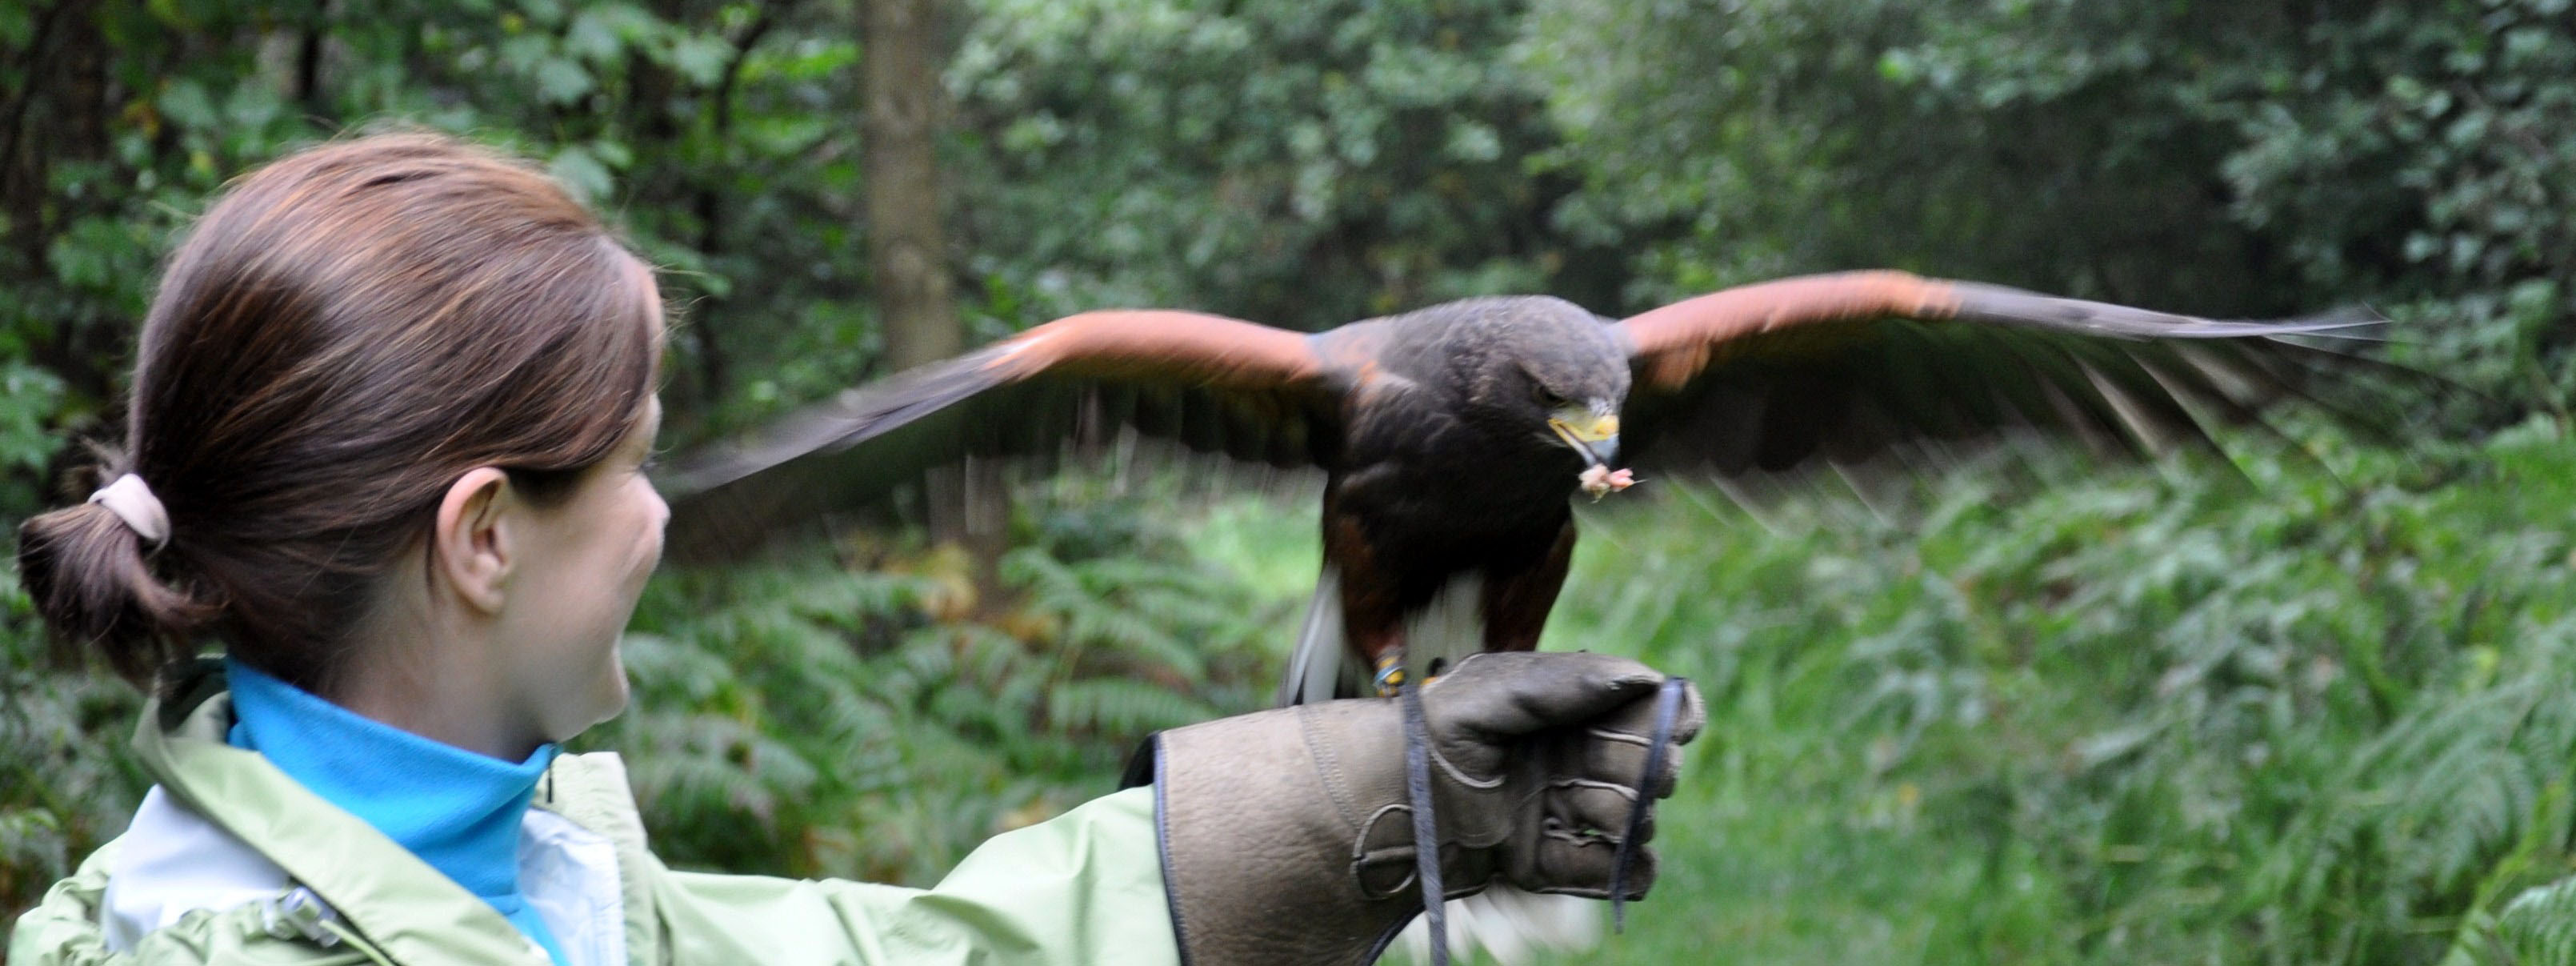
{"x":1454,"y":437}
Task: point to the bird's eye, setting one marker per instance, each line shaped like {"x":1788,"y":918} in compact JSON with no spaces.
{"x":1547,"y":397}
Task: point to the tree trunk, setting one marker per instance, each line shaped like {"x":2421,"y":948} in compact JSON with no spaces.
{"x":907,"y":253}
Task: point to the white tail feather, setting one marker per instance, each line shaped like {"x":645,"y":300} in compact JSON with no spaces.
{"x":1317,"y":666}
{"x":1450,"y":627}
{"x":1507,"y":926}
{"x":1447,"y":629}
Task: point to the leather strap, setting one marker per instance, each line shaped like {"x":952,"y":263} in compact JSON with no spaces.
{"x":1668,"y":706}
{"x":1426,"y":838}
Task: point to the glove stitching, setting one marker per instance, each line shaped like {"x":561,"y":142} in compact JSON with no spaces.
{"x":1584,"y":839}
{"x":1360,"y":854}
{"x":1327,"y":766}
{"x":1623,"y":790}
{"x":1461,"y":777}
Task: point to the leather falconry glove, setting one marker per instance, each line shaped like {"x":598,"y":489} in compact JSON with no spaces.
{"x":1288,"y":835}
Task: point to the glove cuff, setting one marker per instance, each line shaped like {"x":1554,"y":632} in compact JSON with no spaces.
{"x":1286,"y":836}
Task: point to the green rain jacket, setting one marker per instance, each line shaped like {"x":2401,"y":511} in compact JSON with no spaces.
{"x":1086,"y":887}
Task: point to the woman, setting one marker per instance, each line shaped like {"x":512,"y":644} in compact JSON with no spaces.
{"x":392,"y":408}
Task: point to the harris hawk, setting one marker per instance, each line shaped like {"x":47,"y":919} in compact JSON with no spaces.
{"x":1453,"y":437}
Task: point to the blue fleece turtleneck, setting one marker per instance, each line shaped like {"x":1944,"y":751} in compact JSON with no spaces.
{"x":458,"y":810}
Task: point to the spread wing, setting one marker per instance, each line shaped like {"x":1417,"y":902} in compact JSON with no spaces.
{"x":1212,"y":383}
{"x":1846,"y":367}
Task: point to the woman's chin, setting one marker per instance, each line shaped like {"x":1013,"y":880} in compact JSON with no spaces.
{"x":607,"y":698}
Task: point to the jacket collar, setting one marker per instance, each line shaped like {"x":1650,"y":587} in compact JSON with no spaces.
{"x":457,"y":810}
{"x":406,"y":908}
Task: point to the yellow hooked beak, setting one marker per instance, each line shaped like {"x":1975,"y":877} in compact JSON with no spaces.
{"x":1594,"y":436}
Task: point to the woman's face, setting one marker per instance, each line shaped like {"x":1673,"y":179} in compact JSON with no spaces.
{"x":575,"y":586}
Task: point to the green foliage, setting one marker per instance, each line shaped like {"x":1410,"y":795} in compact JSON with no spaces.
{"x":29,"y":399}
{"x":2141,"y":718}
{"x":720,"y":134}
{"x":2260,"y":158}
{"x":809,"y":718}
{"x":2028,"y":143}
{"x":1301,"y":163}
{"x":2538,"y":926}
{"x":65,"y":784}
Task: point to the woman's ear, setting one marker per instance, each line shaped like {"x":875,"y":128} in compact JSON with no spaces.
{"x":470,"y":550}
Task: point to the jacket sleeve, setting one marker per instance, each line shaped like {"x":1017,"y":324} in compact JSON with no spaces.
{"x":63,"y":929}
{"x":1086,"y":887}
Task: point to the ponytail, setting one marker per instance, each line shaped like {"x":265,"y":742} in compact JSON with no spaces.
{"x":87,"y":570}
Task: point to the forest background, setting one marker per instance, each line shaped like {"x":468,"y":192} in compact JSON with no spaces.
{"x":2314,"y":701}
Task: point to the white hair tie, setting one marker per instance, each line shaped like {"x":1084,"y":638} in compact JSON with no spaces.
{"x":134,"y":503}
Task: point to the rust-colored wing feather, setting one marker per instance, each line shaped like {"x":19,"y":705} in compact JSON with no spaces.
{"x":1845,"y":367}
{"x":1209,"y":382}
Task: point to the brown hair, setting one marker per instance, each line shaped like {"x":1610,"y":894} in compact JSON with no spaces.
{"x":343,"y":334}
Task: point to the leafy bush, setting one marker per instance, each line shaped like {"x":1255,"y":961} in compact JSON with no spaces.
{"x":66,"y":783}
{"x":2263,"y":157}
{"x":815,"y":716}
{"x":2139,"y":718}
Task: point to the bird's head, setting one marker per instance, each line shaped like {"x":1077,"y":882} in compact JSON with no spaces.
{"x":1579,"y":416}
{"x":1548,"y":368}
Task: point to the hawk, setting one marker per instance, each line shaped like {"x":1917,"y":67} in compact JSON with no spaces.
{"x":1454,"y":437}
